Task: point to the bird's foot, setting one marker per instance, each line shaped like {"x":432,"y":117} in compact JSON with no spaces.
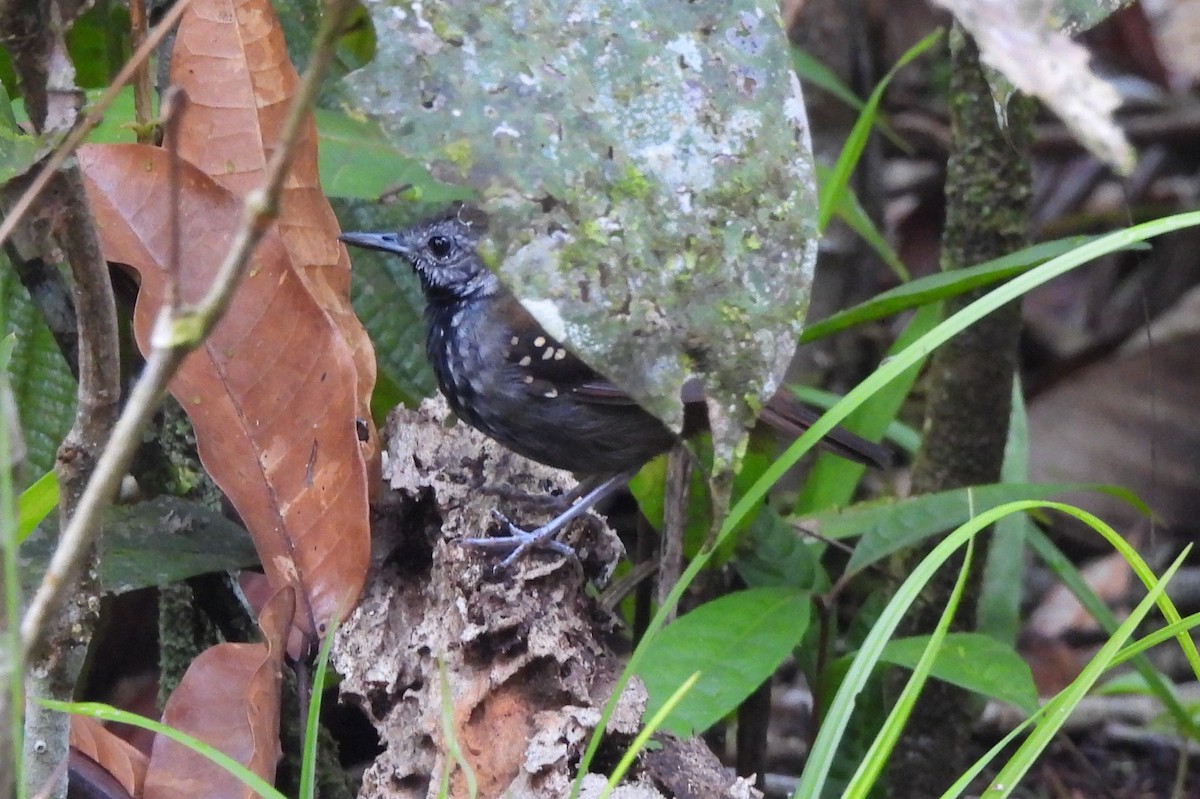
{"x":518,"y":541}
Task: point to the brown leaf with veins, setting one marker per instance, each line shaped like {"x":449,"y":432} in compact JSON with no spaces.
{"x":231,"y":59}
{"x":228,"y":698}
{"x":271,"y":392}
{"x":114,"y":754}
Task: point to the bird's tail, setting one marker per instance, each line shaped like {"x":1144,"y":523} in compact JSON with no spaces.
{"x":788,"y":415}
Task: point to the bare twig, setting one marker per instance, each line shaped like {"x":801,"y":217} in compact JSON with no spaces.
{"x":93,"y":117}
{"x":174,"y":105}
{"x":171,"y":340}
{"x":99,"y":349}
{"x":675,"y":505}
{"x":141,"y":75}
{"x":48,"y":82}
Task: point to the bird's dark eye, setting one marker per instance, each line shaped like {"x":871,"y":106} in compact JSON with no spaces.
{"x":439,"y":246}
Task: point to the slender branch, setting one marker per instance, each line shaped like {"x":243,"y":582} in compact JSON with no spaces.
{"x":171,"y":340}
{"x":174,"y":105}
{"x":90,"y":120}
{"x":47,"y":79}
{"x":141,"y":75}
{"x":99,"y":347}
{"x":675,"y":508}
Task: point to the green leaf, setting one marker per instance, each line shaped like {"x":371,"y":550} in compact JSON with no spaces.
{"x":356,"y":45}
{"x":41,"y":382}
{"x":822,"y":754}
{"x":356,"y":160}
{"x":850,"y":211}
{"x":387,"y":298}
{"x":642,"y":739}
{"x":117,"y":124}
{"x":35,"y":504}
{"x":975,"y":662}
{"x":120,"y":120}
{"x":772,"y":553}
{"x":12,"y":684}
{"x":812,"y":71}
{"x":648,"y":488}
{"x":1162,"y":634}
{"x":832,"y":481}
{"x":831,"y":192}
{"x":98,"y":41}
{"x":884,"y":374}
{"x":735,"y":642}
{"x":1001,"y":589}
{"x":1066,"y":573}
{"x":312,"y":723}
{"x":8,"y":343}
{"x":891,"y":525}
{"x":874,"y":761}
{"x":388,"y":395}
{"x":18,"y":151}
{"x":161,"y":541}
{"x":941,"y":286}
{"x":1059,"y":708}
{"x":1126,"y":683}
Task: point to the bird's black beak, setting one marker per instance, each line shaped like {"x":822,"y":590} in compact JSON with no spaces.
{"x":384,"y":242}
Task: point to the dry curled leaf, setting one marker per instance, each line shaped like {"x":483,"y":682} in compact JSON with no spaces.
{"x":231,"y":59}
{"x":228,"y":698}
{"x":271,"y":392}
{"x":115,"y":755}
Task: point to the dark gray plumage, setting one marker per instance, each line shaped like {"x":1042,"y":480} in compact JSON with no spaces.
{"x":504,"y":374}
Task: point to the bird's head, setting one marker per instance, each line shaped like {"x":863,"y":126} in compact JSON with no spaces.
{"x":441,"y":251}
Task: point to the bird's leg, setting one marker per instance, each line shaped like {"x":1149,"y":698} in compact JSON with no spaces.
{"x":552,"y":502}
{"x":518,"y":541}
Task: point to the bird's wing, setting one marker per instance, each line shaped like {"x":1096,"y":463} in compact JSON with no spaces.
{"x":549,"y":367}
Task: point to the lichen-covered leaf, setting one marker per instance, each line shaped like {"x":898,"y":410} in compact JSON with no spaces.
{"x":645,"y":171}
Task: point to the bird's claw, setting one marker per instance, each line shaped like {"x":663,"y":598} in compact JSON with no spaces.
{"x":517,"y":541}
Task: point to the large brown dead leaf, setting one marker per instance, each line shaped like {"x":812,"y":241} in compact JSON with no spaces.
{"x":271,"y":392}
{"x":115,"y":755}
{"x":231,"y":59}
{"x":228,"y":698}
